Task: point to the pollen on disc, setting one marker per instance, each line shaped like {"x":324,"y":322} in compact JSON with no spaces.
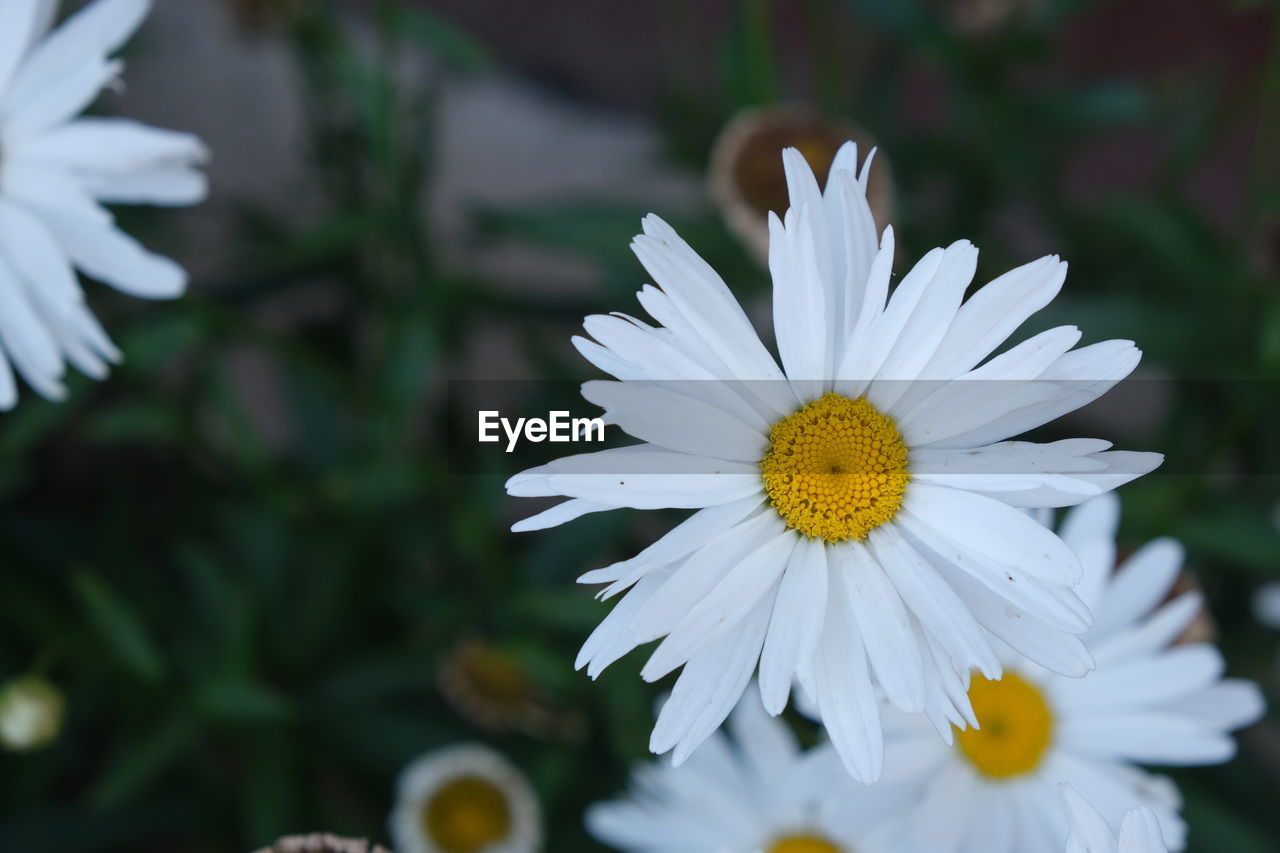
{"x":836,"y":469}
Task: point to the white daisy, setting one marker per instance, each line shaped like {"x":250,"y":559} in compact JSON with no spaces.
{"x":859,"y":516}
{"x":1149,"y":701}
{"x":465,"y":799}
{"x":758,"y":793}
{"x":56,"y":172}
{"x":1090,"y":833}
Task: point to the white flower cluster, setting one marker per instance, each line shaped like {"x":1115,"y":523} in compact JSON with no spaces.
{"x":866,"y":534}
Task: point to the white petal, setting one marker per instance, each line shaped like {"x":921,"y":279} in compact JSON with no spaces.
{"x":796,"y":622}
{"x":1088,"y":827}
{"x":114,"y":145}
{"x":668,"y":419}
{"x":933,"y":602}
{"x":800,"y":313}
{"x":1139,"y":585}
{"x":26,"y":339}
{"x":885,"y":625}
{"x":558,"y":514}
{"x":93,"y":32}
{"x":693,"y":579}
{"x":845,"y":697}
{"x":18,"y":19}
{"x":753,"y":580}
{"x":108,"y":254}
{"x":994,"y":312}
{"x":993,"y":533}
{"x":708,"y":688}
{"x":678,"y":542}
{"x":612,"y":638}
{"x":175,"y":186}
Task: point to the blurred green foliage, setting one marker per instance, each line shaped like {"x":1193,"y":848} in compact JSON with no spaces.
{"x":247,"y":614}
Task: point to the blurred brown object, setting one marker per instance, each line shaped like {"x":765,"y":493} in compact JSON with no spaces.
{"x":321,"y":842}
{"x":746,"y":176}
{"x":488,"y":685}
{"x":1203,"y":628}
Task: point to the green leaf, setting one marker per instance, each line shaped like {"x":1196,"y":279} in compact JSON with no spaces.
{"x":450,"y":44}
{"x":241,"y":703}
{"x":1236,"y":532}
{"x":138,"y":761}
{"x":119,"y":628}
{"x":133,"y":422}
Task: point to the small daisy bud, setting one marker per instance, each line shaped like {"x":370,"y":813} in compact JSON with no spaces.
{"x":30,"y":714}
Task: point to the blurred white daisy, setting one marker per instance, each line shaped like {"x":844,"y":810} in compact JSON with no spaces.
{"x":1090,"y":833}
{"x":1148,"y":702}
{"x":56,"y":171}
{"x":31,"y":713}
{"x":860,"y":516}
{"x":465,"y":799}
{"x":756,"y":793}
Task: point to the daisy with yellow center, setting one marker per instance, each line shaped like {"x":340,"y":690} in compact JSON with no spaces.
{"x":465,"y":799}
{"x":859,"y":523}
{"x":754,"y":792}
{"x":1151,"y":700}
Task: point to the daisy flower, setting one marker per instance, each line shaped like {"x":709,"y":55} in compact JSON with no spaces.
{"x":465,"y":799}
{"x":755,"y":793}
{"x":1150,"y":701}
{"x":1089,"y":832}
{"x":57,"y":169}
{"x":859,"y":518}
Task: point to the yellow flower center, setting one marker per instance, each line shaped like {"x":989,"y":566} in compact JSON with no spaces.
{"x":836,"y":469}
{"x":804,"y":844}
{"x":1017,"y":727}
{"x":466,"y":815}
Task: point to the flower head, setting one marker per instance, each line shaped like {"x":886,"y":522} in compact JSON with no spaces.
{"x":56,"y":171}
{"x":31,"y":711}
{"x":859,"y":514}
{"x":755,"y":793}
{"x":465,"y":799}
{"x":490,"y":686}
{"x":1151,"y":700}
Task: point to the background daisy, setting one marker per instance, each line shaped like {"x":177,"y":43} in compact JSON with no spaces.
{"x":465,"y":799}
{"x":57,"y":170}
{"x":859,"y":519}
{"x":1148,"y":702}
{"x":754,"y":792}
